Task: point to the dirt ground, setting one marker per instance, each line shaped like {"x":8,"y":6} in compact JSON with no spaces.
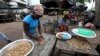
{"x":12,"y":30}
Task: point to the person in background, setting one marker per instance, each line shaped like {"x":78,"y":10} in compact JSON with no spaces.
{"x":31,"y":24}
{"x":73,"y":19}
{"x":63,"y":25}
{"x":18,"y":18}
{"x":70,"y":16}
{"x":88,"y":20}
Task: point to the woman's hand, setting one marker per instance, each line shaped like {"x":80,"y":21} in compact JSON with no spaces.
{"x":40,"y":39}
{"x":42,"y":42}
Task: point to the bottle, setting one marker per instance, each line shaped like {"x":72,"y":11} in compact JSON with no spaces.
{"x":80,"y":24}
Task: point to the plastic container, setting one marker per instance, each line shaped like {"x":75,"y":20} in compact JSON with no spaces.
{"x":65,"y":35}
{"x":86,"y":32}
{"x":63,"y":28}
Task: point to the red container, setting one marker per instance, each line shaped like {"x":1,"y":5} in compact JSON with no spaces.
{"x":63,"y":28}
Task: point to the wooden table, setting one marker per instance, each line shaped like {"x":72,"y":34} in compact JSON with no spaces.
{"x":44,"y":50}
{"x":64,"y":47}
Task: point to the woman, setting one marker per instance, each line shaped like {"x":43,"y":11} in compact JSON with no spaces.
{"x":63,"y":26}
{"x":89,"y":19}
{"x":31,"y":23}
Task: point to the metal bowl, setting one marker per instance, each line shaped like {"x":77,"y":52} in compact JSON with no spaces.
{"x":12,"y":44}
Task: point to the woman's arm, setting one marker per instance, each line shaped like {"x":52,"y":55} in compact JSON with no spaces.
{"x":39,"y":28}
{"x":26,"y":30}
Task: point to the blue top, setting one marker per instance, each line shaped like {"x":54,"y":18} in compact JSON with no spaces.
{"x":33,"y":23}
{"x":62,"y":22}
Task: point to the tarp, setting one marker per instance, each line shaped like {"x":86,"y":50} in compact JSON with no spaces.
{"x":63,"y":4}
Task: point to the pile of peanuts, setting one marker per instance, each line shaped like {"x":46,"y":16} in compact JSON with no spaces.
{"x":20,"y":49}
{"x":78,"y":43}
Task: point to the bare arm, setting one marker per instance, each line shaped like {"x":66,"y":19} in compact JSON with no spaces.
{"x":39,"y":28}
{"x":39,"y":39}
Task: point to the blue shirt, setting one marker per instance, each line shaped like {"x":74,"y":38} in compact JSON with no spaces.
{"x":33,"y":23}
{"x":62,"y":22}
